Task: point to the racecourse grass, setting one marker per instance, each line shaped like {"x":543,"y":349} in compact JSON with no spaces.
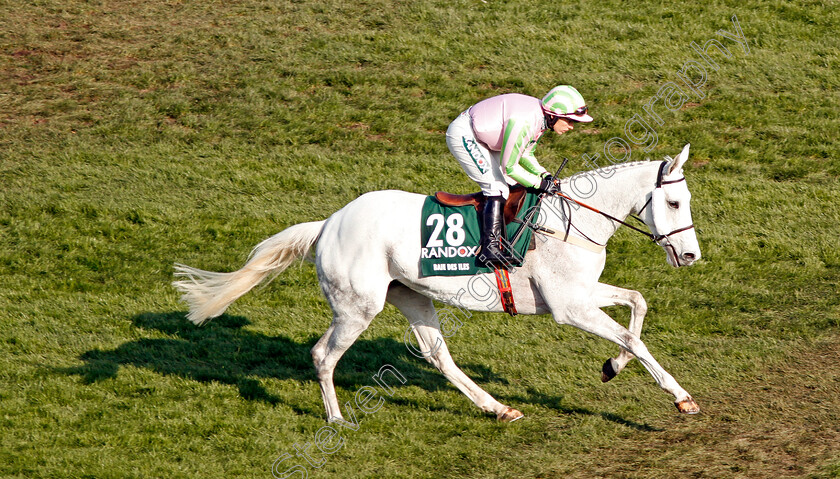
{"x":138,"y":134}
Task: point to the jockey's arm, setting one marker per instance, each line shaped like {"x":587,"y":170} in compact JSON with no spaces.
{"x":518,"y":155}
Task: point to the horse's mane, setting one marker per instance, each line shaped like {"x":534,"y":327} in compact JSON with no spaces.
{"x":608,"y":169}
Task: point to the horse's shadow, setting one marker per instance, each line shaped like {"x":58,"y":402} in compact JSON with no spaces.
{"x":223,"y":351}
{"x":556,"y":403}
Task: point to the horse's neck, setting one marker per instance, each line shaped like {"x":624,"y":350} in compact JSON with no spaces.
{"x":617,"y":192}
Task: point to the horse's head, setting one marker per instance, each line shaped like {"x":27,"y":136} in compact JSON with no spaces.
{"x":667,"y":213}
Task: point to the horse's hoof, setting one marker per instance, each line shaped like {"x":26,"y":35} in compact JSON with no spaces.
{"x":509,"y":415}
{"x":610,"y":370}
{"x":687,"y":406}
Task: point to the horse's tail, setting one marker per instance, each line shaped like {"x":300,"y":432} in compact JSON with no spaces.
{"x":209,"y":294}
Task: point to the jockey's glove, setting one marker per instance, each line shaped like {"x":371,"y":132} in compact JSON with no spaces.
{"x":550,"y":185}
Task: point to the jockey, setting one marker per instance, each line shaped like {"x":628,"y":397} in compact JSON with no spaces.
{"x":494,"y":141}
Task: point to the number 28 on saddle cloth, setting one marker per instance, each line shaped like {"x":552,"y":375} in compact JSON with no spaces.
{"x":449,"y":235}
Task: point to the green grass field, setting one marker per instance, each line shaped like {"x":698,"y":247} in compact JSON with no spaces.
{"x":137,"y":134}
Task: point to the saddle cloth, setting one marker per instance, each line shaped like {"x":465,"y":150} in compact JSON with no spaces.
{"x":450,"y":231}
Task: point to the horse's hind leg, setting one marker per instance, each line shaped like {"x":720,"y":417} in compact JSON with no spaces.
{"x":421,"y":314}
{"x":352,"y":314}
{"x":341,"y":334}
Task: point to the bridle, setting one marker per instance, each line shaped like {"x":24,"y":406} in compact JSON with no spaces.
{"x":658,"y":239}
{"x":659,"y":182}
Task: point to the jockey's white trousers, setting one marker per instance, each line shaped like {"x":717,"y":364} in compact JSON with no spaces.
{"x":479,"y":163}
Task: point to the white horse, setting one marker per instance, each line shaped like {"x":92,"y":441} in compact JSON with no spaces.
{"x":368,"y":253}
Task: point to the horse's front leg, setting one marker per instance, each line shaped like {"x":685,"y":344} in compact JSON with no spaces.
{"x":588,"y":317}
{"x":608,"y":295}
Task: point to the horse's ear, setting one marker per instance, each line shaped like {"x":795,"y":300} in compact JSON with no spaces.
{"x":679,"y":161}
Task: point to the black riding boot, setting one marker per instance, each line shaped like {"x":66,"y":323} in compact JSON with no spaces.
{"x":493,"y":232}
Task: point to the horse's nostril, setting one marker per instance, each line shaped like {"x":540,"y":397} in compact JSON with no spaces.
{"x":688,"y":256}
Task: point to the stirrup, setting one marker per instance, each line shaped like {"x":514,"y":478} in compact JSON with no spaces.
{"x":496,"y":259}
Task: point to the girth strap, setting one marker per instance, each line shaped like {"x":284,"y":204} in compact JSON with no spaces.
{"x":503,"y":280}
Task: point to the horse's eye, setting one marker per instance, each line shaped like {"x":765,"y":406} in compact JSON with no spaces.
{"x":674,"y":204}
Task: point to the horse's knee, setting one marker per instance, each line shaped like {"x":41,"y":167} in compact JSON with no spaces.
{"x":639,"y":303}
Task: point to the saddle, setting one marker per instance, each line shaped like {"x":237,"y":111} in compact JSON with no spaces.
{"x":512,"y":206}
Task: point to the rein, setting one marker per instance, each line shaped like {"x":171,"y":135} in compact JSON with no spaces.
{"x":660,"y":181}
{"x":606,"y":215}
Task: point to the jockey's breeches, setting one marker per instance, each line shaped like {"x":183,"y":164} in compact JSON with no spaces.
{"x":479,"y":163}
